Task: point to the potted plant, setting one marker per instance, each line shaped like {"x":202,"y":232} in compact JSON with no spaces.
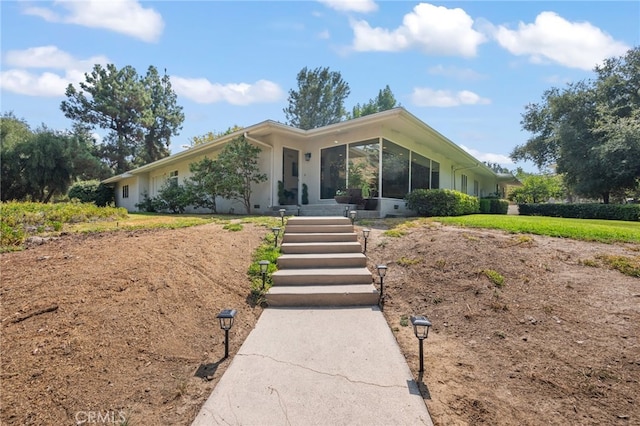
{"x":342,"y":197}
{"x":371,"y":197}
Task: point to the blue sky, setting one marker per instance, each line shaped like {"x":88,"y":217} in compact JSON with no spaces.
{"x":465,"y":68}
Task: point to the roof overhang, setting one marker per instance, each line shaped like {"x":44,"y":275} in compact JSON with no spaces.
{"x":508,"y":179}
{"x":396,"y":120}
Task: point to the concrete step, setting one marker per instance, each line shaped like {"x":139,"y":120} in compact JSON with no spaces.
{"x":318,"y":276}
{"x":310,"y":220}
{"x":335,"y":295}
{"x":318,"y":228}
{"x":327,"y":260}
{"x":320,"y":237}
{"x":322,"y":247}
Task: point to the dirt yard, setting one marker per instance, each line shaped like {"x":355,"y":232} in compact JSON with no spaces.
{"x":116,"y":326}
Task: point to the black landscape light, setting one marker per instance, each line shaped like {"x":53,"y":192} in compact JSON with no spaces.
{"x":276,"y":232}
{"x":282,"y":212}
{"x":365,"y":234}
{"x":421,"y":327}
{"x":264,"y":265}
{"x":382,"y":271}
{"x":346,"y":211}
{"x":226,"y":317}
{"x":352,"y":216}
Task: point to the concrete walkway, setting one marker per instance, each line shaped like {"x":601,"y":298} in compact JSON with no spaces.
{"x":317,"y":366}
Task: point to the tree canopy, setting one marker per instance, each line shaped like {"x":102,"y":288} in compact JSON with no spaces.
{"x":590,"y":130}
{"x":140,"y":112}
{"x":209,"y":136}
{"x":36,"y":165}
{"x":384,"y":101}
{"x":319,"y":100}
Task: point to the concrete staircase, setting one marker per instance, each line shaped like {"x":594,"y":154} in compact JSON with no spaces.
{"x":321,"y":265}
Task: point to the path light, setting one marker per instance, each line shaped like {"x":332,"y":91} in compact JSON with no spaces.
{"x":421,"y":329}
{"x":298,"y":210}
{"x":282,"y":212}
{"x":264,"y":265}
{"x":226,"y":317}
{"x":365,"y":234}
{"x":276,"y":232}
{"x":352,"y":215}
{"x":346,"y":211}
{"x":382,"y":271}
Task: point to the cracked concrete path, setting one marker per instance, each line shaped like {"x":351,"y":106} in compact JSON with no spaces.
{"x":317,"y":366}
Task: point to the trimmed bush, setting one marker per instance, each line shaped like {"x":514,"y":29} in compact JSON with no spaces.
{"x":92,"y":191}
{"x":441,"y":202}
{"x":628,"y":212}
{"x":493,"y":206}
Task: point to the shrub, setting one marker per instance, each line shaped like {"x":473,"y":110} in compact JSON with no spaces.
{"x":628,"y":212}
{"x":92,"y":191}
{"x":172,"y":197}
{"x":10,"y":236}
{"x":493,"y":206}
{"x":441,"y":202}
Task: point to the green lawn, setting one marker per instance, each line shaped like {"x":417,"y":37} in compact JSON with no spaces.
{"x":606,"y":231}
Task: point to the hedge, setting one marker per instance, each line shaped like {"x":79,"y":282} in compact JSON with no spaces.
{"x":628,"y":212}
{"x":441,"y":202}
{"x":92,"y":191}
{"x":493,"y":206}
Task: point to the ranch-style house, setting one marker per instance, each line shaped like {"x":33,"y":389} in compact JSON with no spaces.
{"x":369,"y":163}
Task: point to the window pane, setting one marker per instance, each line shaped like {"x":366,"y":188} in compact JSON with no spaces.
{"x":363,"y":167}
{"x":420,"y":171}
{"x":395,"y":170}
{"x":435,"y":175}
{"x":333,"y":170}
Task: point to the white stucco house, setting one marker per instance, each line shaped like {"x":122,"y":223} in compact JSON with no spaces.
{"x":384,"y":156}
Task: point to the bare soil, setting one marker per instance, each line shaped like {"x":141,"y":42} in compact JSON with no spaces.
{"x":123,"y":325}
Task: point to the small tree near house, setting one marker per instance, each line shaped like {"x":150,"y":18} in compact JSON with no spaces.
{"x":239,"y":167}
{"x":205,"y":184}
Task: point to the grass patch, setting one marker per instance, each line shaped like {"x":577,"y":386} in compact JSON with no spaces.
{"x":406,"y":261}
{"x":265,"y":251}
{"x":627,"y":265}
{"x":395,"y":232}
{"x":233,"y":227}
{"x":605,"y":231}
{"x":495,"y":277}
{"x":404,"y":321}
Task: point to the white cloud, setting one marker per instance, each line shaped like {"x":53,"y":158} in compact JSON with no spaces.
{"x":466,"y":74}
{"x":202,"y":91}
{"x":488,"y":157}
{"x":432,"y":29}
{"x":363,"y":6}
{"x":426,"y":97}
{"x":31,"y":84}
{"x":122,"y":16}
{"x":22,"y":81}
{"x":50,"y":57}
{"x":553,"y":38}
{"x":324,"y":35}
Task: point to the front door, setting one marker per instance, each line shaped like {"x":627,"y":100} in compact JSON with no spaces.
{"x":290,"y":164}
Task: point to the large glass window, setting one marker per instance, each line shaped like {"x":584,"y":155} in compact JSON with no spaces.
{"x":395,"y":170}
{"x":435,"y":175}
{"x":333,"y":171}
{"x":420,"y":171}
{"x":363,"y":167}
